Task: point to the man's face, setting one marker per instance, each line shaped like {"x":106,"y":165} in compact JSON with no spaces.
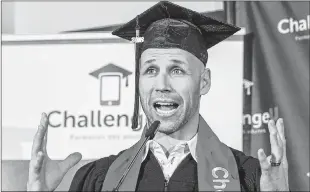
{"x":171,"y":82}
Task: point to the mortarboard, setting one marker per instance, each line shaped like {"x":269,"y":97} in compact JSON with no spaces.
{"x":111,"y":68}
{"x":167,"y":25}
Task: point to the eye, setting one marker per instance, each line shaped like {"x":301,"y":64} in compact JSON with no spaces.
{"x":150,"y":71}
{"x":177,"y":71}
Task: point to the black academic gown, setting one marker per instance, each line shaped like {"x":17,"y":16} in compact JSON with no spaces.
{"x":90,"y":177}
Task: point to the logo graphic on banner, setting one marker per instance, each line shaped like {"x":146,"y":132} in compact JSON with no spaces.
{"x":110,"y":77}
{"x":247,"y":86}
{"x":110,"y":83}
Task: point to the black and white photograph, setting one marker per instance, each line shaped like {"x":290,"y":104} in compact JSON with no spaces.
{"x":155,"y":96}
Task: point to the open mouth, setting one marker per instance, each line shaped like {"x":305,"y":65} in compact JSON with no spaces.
{"x":165,"y":108}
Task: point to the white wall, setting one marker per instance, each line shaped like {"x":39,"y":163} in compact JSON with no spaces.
{"x":7,"y":17}
{"x":52,"y":17}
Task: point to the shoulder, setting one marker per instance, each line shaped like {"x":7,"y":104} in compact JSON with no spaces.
{"x":243,"y":160}
{"x":249,"y":170}
{"x":90,"y":176}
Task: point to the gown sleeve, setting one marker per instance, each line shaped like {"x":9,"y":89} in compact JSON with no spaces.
{"x":90,"y":177}
{"x":249,"y":171}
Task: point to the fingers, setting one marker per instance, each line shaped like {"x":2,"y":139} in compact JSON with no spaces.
{"x":273,"y":133}
{"x":263,"y":160}
{"x":280,"y":129}
{"x":69,"y":162}
{"x":39,"y":136}
{"x":44,"y":122}
{"x":38,"y":163}
{"x":281,"y":135}
{"x":37,"y":142}
{"x":45,"y":142}
{"x":35,"y":167}
{"x":275,"y":141}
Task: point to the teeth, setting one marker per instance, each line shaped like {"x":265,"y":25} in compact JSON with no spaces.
{"x":167,"y":104}
{"x":165,"y":109}
{"x":165,"y":112}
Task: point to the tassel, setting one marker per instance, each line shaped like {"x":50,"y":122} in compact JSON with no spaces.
{"x":135,"y":117}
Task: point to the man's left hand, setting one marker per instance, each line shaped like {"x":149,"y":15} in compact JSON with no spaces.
{"x":274,"y":167}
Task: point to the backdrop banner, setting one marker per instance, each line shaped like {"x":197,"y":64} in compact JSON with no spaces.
{"x":85,"y":84}
{"x":87,"y":90}
{"x":276,"y":82}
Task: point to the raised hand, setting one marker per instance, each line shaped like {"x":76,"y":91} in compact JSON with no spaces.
{"x":274,"y":167}
{"x":44,"y":173}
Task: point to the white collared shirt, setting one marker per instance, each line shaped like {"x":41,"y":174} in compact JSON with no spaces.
{"x":176,"y":155}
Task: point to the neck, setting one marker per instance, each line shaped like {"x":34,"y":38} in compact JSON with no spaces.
{"x":185,"y":133}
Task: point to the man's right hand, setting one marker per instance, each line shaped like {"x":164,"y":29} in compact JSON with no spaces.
{"x":44,"y":173}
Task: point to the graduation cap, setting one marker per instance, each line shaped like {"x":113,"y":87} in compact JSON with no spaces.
{"x":111,"y":68}
{"x":167,"y":25}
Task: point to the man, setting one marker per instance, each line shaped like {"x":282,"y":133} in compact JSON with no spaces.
{"x":185,"y":154}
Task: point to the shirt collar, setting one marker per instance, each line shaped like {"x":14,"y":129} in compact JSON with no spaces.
{"x":191,"y":145}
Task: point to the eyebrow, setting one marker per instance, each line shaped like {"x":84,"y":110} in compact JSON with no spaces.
{"x":150,"y":61}
{"x":179,"y":62}
{"x":175,"y":61}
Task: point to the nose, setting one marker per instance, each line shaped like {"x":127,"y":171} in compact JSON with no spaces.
{"x":162,"y":84}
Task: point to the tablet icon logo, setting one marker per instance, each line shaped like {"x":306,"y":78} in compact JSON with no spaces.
{"x":247,"y":86}
{"x":110,"y":77}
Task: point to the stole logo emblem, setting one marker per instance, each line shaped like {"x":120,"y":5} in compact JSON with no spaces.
{"x":217,"y":173}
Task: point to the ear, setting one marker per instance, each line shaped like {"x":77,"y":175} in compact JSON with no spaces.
{"x":205,"y":81}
